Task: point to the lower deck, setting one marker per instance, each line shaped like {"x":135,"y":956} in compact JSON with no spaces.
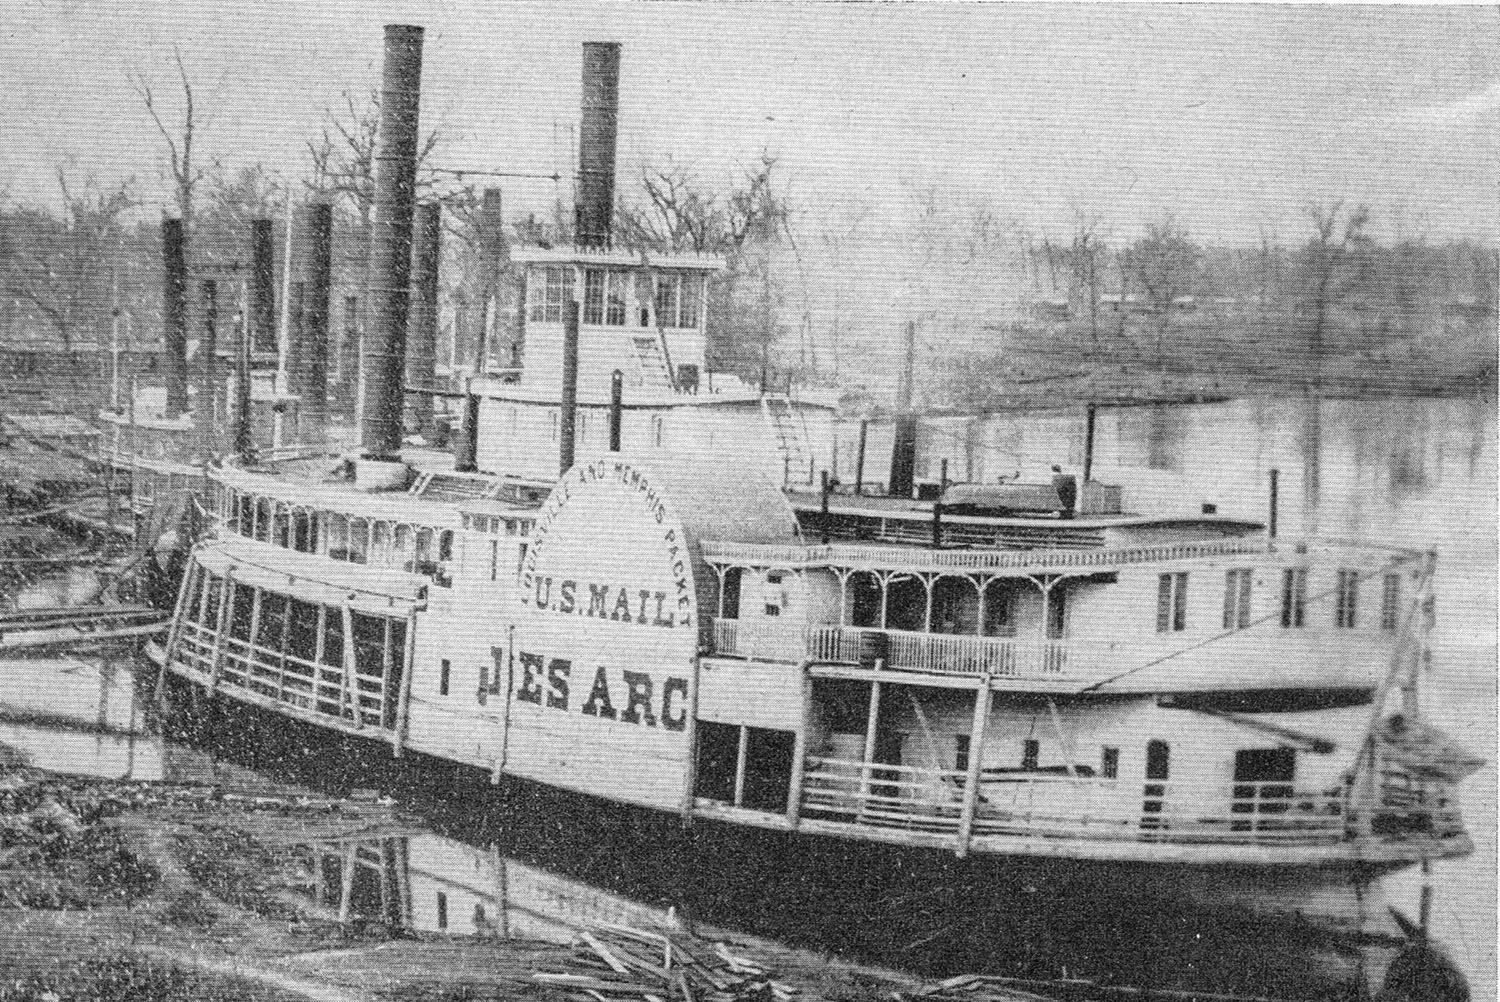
{"x":891,"y":757}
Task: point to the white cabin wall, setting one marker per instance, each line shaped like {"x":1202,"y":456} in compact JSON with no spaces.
{"x":821,"y":596}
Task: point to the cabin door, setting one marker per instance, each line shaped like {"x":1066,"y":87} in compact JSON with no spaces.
{"x":1158,"y":769}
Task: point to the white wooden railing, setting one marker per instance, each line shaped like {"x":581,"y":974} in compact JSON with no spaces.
{"x":942,"y":653}
{"x":1063,"y":806}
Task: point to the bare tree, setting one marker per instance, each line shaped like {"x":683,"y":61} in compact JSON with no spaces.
{"x":61,"y":267}
{"x":1084,"y":257}
{"x":1164,"y":263}
{"x":185,"y":174}
{"x":1337,"y":235}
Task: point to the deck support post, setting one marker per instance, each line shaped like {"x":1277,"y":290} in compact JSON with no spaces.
{"x":226,"y":601}
{"x":385,"y":667}
{"x":690,"y":735}
{"x":799,"y":746}
{"x":403,"y":703}
{"x":872,"y":721}
{"x":255,"y":594}
{"x":739,"y":765}
{"x":349,"y":691}
{"x":175,"y":632}
{"x":977,"y":731}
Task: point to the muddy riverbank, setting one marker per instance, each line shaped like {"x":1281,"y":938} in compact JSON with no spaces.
{"x":122,"y":889}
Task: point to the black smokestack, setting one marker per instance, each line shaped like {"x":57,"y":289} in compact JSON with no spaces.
{"x":174,"y":260}
{"x":421,"y":356}
{"x":594,"y":213}
{"x":349,"y":360}
{"x":390,"y":241}
{"x":262,"y":289}
{"x":206,"y":413}
{"x":315,"y":329}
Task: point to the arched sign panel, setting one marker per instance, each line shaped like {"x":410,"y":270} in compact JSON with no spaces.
{"x":601,"y":663}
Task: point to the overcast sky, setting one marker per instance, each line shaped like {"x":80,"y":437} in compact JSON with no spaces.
{"x":1234,"y":118}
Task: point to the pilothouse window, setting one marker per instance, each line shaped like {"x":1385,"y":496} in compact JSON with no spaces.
{"x":1171,"y":603}
{"x":1237,"y":599}
{"x":1293,"y":597}
{"x":1348,"y":595}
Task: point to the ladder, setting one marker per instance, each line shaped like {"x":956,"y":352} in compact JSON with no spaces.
{"x":653,"y":365}
{"x":791,"y":441}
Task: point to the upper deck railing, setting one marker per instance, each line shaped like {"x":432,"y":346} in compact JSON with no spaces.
{"x":847,"y":555}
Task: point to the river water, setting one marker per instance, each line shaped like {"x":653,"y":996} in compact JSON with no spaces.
{"x":519,"y":863}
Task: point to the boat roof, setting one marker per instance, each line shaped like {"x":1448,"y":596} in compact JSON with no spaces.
{"x":300,"y":490}
{"x":875,"y":506}
{"x":314,"y":578}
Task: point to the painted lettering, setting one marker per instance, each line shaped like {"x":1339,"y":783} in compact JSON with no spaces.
{"x":661,"y":598}
{"x":641,"y":615}
{"x":543,"y":592}
{"x":622,"y":604}
{"x":598,"y":594}
{"x":674,"y":717}
{"x":638,"y":699}
{"x":531,"y":669}
{"x":557,"y":683}
{"x":599,"y":703}
{"x":568,"y":590}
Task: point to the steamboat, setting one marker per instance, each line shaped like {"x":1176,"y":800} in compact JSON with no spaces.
{"x":634,"y":581}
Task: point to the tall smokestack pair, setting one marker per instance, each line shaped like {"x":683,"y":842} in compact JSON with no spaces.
{"x":307,"y":341}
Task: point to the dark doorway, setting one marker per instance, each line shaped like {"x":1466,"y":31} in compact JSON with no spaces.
{"x":718,"y":754}
{"x":1263,"y":785}
{"x":768,"y":769}
{"x":1158,"y":767}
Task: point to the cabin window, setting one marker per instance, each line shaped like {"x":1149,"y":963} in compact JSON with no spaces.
{"x":960,"y":752}
{"x":776,"y":593}
{"x":281,"y":528}
{"x":955,"y":606}
{"x":445,"y":545}
{"x":614,"y":293}
{"x":1171,"y":603}
{"x":1293,"y":597}
{"x":692,"y":290}
{"x":402,"y":540}
{"x":1237,"y":599}
{"x":338,"y":537}
{"x":1000,"y":609}
{"x":1347,"y":596}
{"x":494,"y":559}
{"x":442,"y":910}
{"x":666,"y":300}
{"x":380,"y":542}
{"x":304,"y":538}
{"x":263,"y":512}
{"x":593,"y":295}
{"x":444,"y":672}
{"x":556,"y":288}
{"x":1031,"y":750}
{"x":359,"y":541}
{"x":1158,"y":768}
{"x":423,"y":553}
{"x":1109,"y":763}
{"x":1390,"y":602}
{"x":643,"y":298}
{"x":1057,"y":613}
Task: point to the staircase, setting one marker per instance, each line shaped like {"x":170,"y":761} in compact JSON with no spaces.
{"x":653,"y":365}
{"x":789,"y":433}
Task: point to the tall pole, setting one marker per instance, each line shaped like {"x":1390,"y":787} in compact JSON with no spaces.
{"x":242,"y":444}
{"x":314,"y":408}
{"x":174,"y":253}
{"x":384,"y":366}
{"x":421,"y":356}
{"x":569,"y":413}
{"x":1088,"y":445}
{"x":206,"y":411}
{"x":616,"y":408}
{"x":262,"y":291}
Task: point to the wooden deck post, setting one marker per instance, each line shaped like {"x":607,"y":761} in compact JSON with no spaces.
{"x":799,"y":747}
{"x":226,"y":602}
{"x":739,"y":765}
{"x":690,"y":735}
{"x":403,"y":704}
{"x":872,"y":721}
{"x":976,"y":758}
{"x":349,"y":691}
{"x":174,"y":632}
{"x":385,"y":668}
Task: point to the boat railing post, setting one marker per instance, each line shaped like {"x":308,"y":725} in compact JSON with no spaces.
{"x":799,"y":746}
{"x":226,"y":601}
{"x":349,"y":695}
{"x":174,"y":631}
{"x":403,"y":704}
{"x":982,"y":696}
{"x":872,"y":720}
{"x":386,"y":663}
